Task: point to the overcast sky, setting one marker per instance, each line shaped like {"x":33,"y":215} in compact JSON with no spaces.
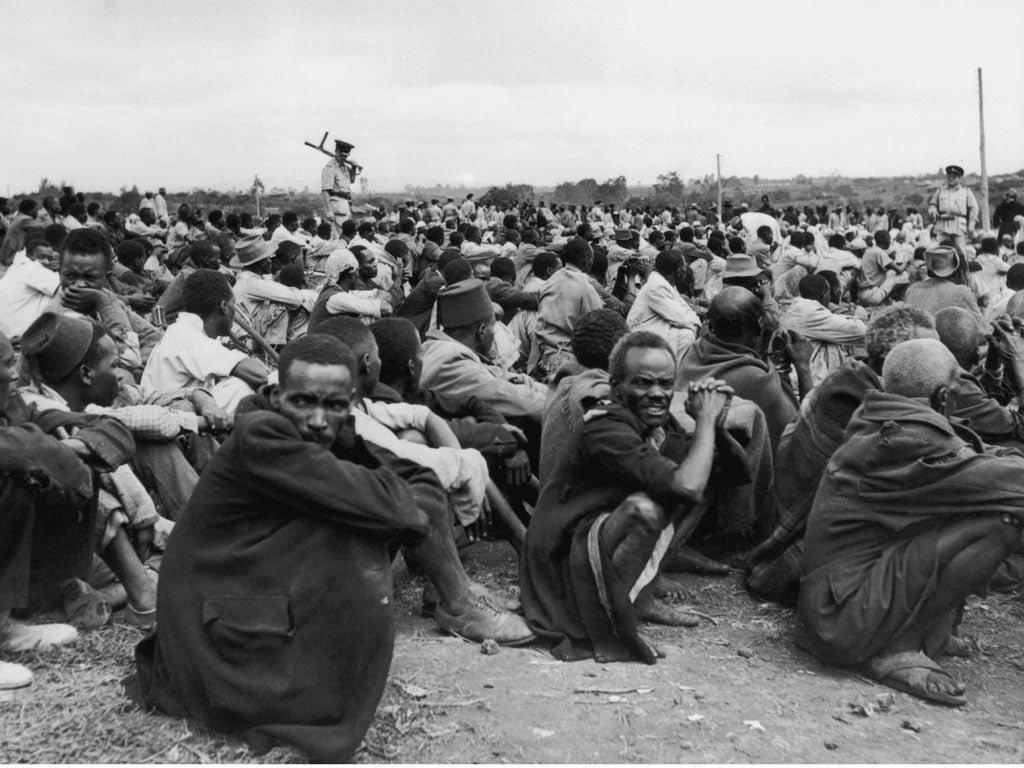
{"x":185,"y":94}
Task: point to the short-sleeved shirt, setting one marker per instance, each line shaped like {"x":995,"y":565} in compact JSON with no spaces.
{"x":186,"y":357}
{"x":25,"y":291}
{"x":334,"y":177}
{"x":872,"y":267}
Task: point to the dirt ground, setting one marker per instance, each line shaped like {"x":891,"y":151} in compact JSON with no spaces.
{"x":734,"y":689}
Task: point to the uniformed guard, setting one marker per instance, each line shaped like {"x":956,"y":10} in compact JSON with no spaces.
{"x":954,"y":210}
{"x":335,"y":186}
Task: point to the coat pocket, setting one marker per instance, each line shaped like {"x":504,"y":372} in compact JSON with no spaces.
{"x":248,"y":623}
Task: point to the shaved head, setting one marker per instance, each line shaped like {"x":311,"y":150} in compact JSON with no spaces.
{"x":917,"y":368}
{"x":736,"y":315}
{"x":960,"y":331}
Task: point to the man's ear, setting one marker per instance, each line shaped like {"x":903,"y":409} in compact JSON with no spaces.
{"x":275,"y":396}
{"x":411,"y":365}
{"x":939,"y":400}
{"x":223,"y":307}
{"x":84,"y":375}
{"x":364,"y":363}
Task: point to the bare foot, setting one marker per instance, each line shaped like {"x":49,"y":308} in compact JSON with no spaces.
{"x":961,"y":646}
{"x":611,"y":651}
{"x":651,"y":608}
{"x":672,"y":587}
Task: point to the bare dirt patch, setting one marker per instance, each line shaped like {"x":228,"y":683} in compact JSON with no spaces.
{"x":736,"y":689}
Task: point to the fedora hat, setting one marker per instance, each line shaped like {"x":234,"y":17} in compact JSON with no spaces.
{"x":741,"y":265}
{"x":249,"y":250}
{"x":942,"y":261}
{"x":623,"y":235}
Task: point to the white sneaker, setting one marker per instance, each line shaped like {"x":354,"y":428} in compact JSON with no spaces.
{"x":13,"y":677}
{"x":25,"y":637}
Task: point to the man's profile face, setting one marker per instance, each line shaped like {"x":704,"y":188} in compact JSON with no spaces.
{"x":103,"y":382}
{"x":367,"y":266}
{"x":8,"y":372}
{"x":45,"y":255}
{"x":648,"y":384}
{"x":228,"y":318}
{"x":214,"y":259}
{"x":83,"y":270}
{"x":316,"y":399}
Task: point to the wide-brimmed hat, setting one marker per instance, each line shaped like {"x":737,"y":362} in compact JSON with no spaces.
{"x":251,"y":249}
{"x":942,"y":261}
{"x":623,"y":235}
{"x":741,"y":265}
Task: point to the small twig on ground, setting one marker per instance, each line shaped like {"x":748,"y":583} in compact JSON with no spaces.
{"x":449,"y":703}
{"x":1018,"y":726}
{"x":169,"y":747}
{"x":613,"y":690}
{"x":702,"y":615}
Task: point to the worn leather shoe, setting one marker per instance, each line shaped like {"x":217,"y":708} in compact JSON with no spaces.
{"x":14,"y":679}
{"x":27,"y":637}
{"x":499,"y":601}
{"x":483,"y":621}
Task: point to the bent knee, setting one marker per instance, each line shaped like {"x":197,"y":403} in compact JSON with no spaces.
{"x":641,"y":508}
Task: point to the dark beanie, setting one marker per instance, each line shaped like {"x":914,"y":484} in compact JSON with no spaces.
{"x":54,"y":345}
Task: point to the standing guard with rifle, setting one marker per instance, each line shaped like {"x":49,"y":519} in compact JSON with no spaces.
{"x":335,"y":183}
{"x":954,"y":210}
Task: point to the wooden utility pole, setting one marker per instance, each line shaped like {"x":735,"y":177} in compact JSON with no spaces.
{"x":718,"y":165}
{"x":257,"y":185}
{"x":986,"y":222}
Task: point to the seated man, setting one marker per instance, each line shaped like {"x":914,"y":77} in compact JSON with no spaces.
{"x":476,"y":425}
{"x":86,"y":259}
{"x":275,"y":613}
{"x":628,"y":490}
{"x":420,"y":306}
{"x":660,"y":309}
{"x":462,"y":607}
{"x":732,"y":350}
{"x":156,"y":421}
{"x":939,"y":290}
{"x":913,"y":516}
{"x":189,"y":354}
{"x":28,"y":286}
{"x":880,"y":274}
{"x":456,"y":362}
{"x":277,"y":312}
{"x":45,"y":490}
{"x":501,"y":288}
{"x":202,"y":255}
{"x":579,"y":384}
{"x":833,"y":337}
{"x":339,"y":296}
{"x":566,"y":297}
{"x":523,"y":327}
{"x":807,"y":445}
{"x":960,"y":332}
